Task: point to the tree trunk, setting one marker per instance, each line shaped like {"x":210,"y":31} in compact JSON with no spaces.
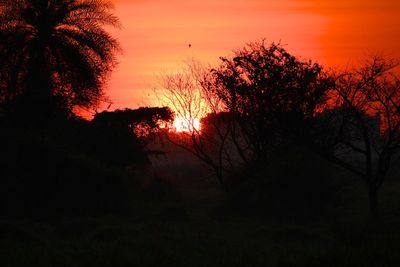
{"x":373,"y":202}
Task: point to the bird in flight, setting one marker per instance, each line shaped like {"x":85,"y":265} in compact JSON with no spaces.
{"x":190,"y":45}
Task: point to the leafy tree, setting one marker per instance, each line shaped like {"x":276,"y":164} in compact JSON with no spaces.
{"x":77,"y":168}
{"x":273,"y":98}
{"x":144,"y":121}
{"x":268,"y":91}
{"x":252,"y":99}
{"x":120,"y":137}
{"x":351,"y":118}
{"x":55,"y":54}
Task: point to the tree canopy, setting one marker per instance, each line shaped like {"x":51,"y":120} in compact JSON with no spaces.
{"x":55,"y":54}
{"x":267,"y":89}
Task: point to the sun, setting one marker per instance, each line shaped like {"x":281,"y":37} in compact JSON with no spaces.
{"x":182,"y":125}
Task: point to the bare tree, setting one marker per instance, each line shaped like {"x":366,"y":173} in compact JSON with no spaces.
{"x":188,"y":94}
{"x":264,"y":96}
{"x":367,"y":107}
{"x":246,"y":97}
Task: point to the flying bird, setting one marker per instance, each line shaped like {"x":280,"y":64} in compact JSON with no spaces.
{"x":190,"y":45}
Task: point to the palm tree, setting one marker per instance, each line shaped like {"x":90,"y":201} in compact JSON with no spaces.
{"x":55,"y":54}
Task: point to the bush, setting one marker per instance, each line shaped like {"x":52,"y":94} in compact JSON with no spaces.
{"x":293,"y":184}
{"x":44,"y":176}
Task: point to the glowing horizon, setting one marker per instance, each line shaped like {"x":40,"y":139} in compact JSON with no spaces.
{"x":185,"y":125}
{"x":156,"y":35}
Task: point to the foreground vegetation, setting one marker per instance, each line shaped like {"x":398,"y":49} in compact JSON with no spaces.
{"x":299,"y":156}
{"x":176,"y":217}
{"x":237,"y":243}
{"x":187,"y":227}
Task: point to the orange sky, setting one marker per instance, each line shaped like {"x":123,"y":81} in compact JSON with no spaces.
{"x":156,"y":34}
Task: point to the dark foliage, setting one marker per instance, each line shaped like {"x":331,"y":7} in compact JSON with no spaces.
{"x":75,"y":168}
{"x":269,"y":92}
{"x":294,"y":185}
{"x":55,"y":55}
{"x":123,"y":134}
{"x":276,"y":99}
{"x":359,"y":127}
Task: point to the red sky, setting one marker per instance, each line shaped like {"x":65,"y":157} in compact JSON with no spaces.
{"x":156,"y":34}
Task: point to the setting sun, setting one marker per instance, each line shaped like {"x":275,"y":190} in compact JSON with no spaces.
{"x":182,"y":124}
{"x":130,"y":129}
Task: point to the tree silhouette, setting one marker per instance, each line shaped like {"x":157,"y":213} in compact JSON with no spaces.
{"x":145,"y":122}
{"x":253,"y":100}
{"x":362,"y":127}
{"x":187,"y":93}
{"x":120,"y":137}
{"x":351,"y":118}
{"x":269,"y":92}
{"x":55,"y":54}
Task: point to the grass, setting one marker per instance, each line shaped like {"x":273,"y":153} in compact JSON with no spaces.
{"x":172,"y":226}
{"x":113,"y":242}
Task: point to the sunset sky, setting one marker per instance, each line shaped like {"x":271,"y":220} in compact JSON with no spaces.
{"x":156,"y":35}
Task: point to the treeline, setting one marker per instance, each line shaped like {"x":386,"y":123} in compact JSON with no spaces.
{"x":274,"y":121}
{"x":55,"y":58}
{"x":263,"y":103}
{"x":75,"y":167}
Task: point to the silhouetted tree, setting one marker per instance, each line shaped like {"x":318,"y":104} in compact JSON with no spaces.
{"x":277,"y":99}
{"x":268,"y":92}
{"x":186,"y":93}
{"x":77,"y":168}
{"x":120,"y":137}
{"x":361,"y":124}
{"x":55,"y":54}
{"x":262,"y":91}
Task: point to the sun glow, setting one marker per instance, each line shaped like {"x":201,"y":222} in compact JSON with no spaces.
{"x":182,"y":124}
